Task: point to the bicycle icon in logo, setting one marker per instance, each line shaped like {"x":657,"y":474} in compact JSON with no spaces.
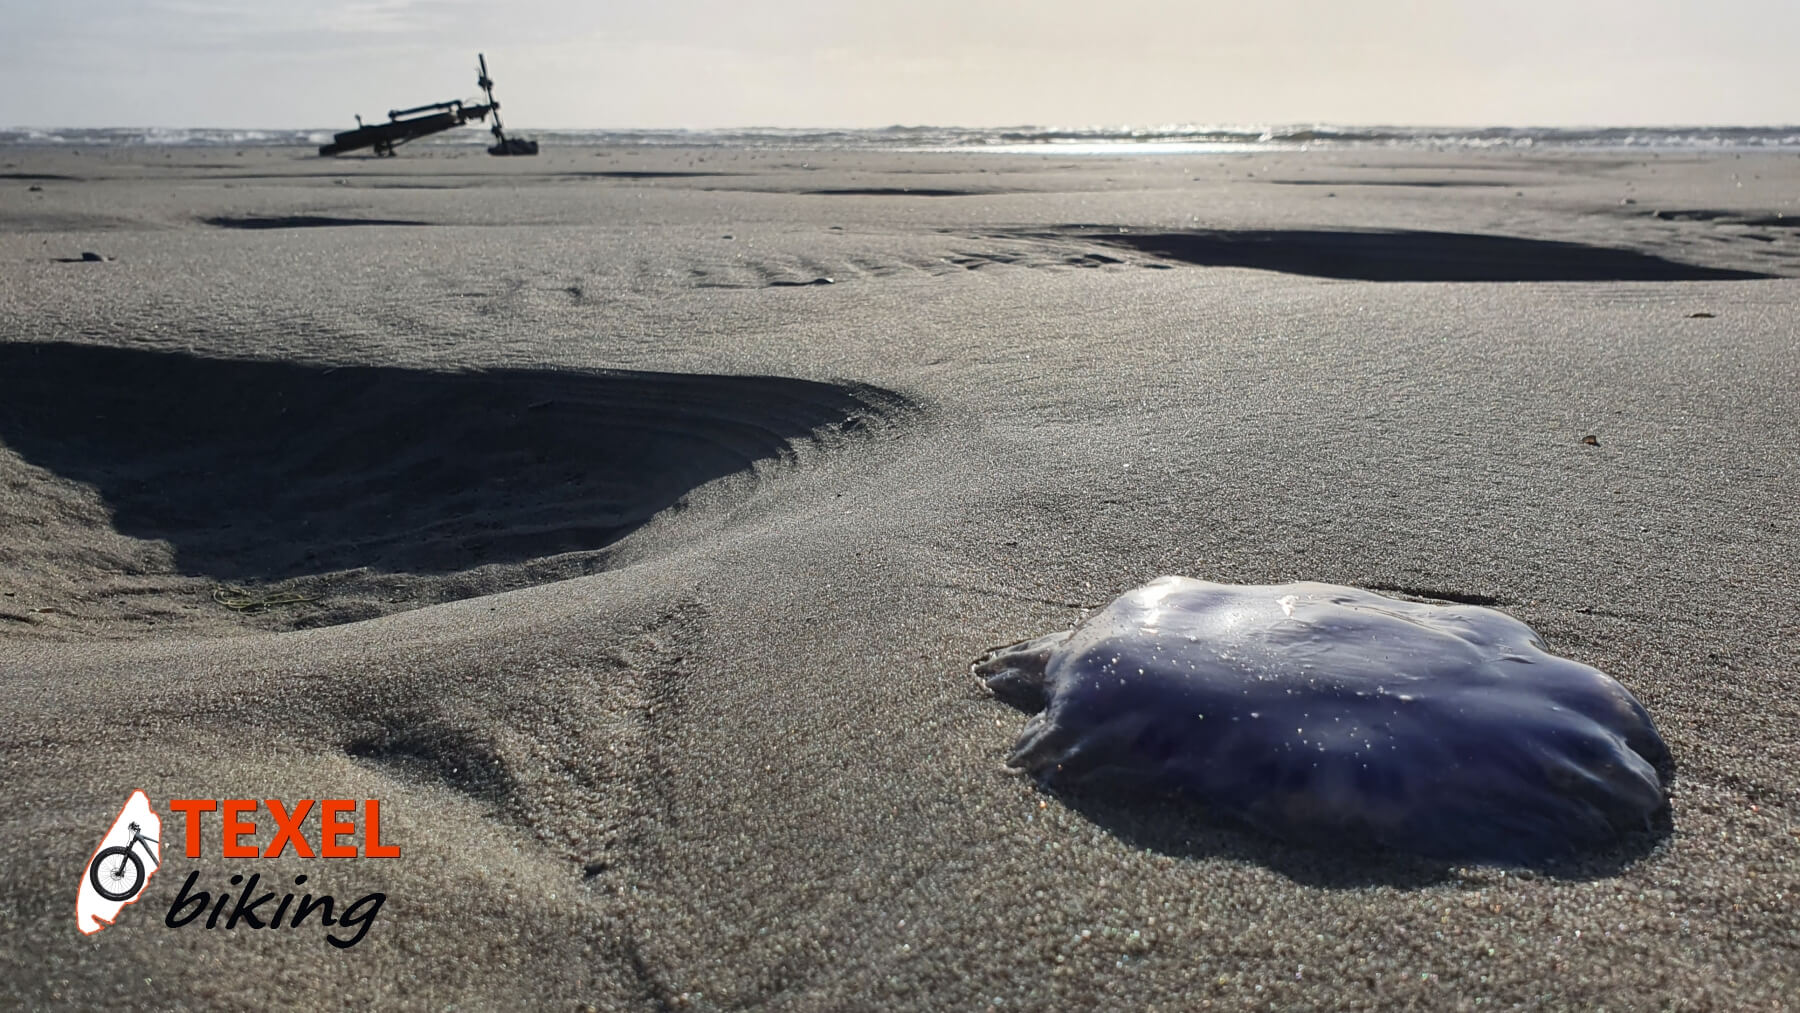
{"x":122,"y":865}
{"x":117,"y":873}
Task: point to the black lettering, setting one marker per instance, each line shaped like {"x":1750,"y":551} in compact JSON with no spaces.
{"x":361,"y":921}
{"x":212,"y":920}
{"x":356,"y":918}
{"x":281,"y":909}
{"x":245,"y":910}
{"x":182,"y":900}
{"x":308,"y":905}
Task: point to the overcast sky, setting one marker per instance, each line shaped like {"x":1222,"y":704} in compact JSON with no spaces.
{"x":711,"y":63}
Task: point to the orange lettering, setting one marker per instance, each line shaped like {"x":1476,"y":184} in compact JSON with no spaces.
{"x":334,"y":828}
{"x":372,"y":833}
{"x":236,"y":829}
{"x":193,"y":807}
{"x":287,"y":828}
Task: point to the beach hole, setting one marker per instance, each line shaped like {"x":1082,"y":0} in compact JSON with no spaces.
{"x":256,"y":473}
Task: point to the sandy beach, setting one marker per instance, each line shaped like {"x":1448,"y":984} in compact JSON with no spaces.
{"x":626,"y":522}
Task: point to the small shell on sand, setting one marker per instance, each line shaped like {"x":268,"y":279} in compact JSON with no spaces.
{"x":1321,"y":713}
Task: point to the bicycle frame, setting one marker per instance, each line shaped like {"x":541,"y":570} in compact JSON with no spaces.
{"x":137,"y":837}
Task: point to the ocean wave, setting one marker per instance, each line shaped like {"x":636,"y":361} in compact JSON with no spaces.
{"x":178,"y":137}
{"x":1122,"y":139}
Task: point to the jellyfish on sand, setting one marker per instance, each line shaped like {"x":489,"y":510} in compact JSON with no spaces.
{"x":1321,"y":713}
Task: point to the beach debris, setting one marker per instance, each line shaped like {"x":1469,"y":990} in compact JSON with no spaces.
{"x":1702,"y":315}
{"x":1327,"y":714}
{"x":1591,"y":440}
{"x":435,"y":117}
{"x":240,"y":599}
{"x":34,"y":188}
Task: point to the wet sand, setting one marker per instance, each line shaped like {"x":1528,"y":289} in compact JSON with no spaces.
{"x":626,"y":522}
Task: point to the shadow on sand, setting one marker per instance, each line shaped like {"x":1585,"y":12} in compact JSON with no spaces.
{"x":1397,"y":255}
{"x":269,"y":470}
{"x":299,"y":221}
{"x":1180,"y":828}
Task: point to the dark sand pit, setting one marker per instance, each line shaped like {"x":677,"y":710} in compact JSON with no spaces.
{"x":300,"y":221}
{"x":1400,"y":255}
{"x":262,"y":472}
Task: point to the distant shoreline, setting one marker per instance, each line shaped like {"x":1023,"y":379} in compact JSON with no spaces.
{"x":1163,"y":139}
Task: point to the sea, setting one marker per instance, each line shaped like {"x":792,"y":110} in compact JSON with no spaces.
{"x":1166,"y":139}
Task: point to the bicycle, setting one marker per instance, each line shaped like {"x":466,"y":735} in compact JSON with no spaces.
{"x":127,"y":858}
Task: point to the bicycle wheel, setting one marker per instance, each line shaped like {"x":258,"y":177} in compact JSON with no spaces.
{"x":101,"y":877}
